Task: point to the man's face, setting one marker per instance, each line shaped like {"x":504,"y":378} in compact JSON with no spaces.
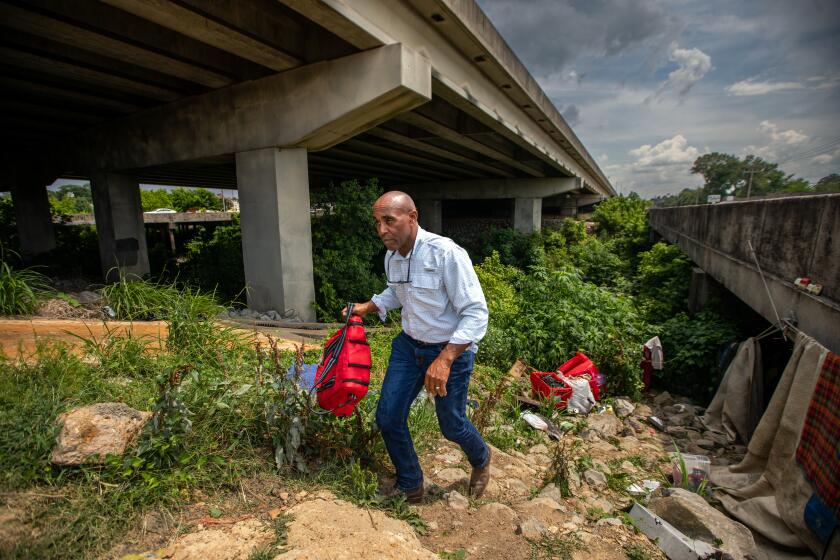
{"x":394,"y":225}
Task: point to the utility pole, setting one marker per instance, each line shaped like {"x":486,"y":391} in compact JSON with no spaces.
{"x":749,"y":183}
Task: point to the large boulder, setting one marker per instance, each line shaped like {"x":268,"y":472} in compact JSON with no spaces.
{"x":90,"y":433}
{"x":623,"y":407}
{"x":692,"y":515}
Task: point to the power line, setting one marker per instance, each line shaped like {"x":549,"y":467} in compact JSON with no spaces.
{"x":812,"y":152}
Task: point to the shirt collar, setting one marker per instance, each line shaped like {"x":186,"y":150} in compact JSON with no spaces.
{"x":422,"y":235}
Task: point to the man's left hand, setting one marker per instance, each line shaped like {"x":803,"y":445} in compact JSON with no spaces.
{"x":436,"y":377}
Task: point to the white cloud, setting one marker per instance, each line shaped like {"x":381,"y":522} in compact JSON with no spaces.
{"x":752,"y":86}
{"x":692,"y":65}
{"x":673,"y":151}
{"x":831,"y":157}
{"x":789,"y":136}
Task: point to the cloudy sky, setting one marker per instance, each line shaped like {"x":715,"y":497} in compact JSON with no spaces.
{"x":649,"y":85}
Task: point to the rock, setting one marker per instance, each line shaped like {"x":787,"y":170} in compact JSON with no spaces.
{"x":627,"y":432}
{"x":676,"y":431}
{"x":629,"y":443}
{"x":642,"y":411}
{"x":692,"y":515}
{"x":451,"y":475}
{"x":520,"y":470}
{"x":613,"y":521}
{"x":539,"y":448}
{"x":551,"y":491}
{"x":706,"y":443}
{"x":623,"y":407}
{"x":605,"y":424}
{"x":517,"y":487}
{"x":663,"y":399}
{"x":499,"y":511}
{"x":540,"y":459}
{"x":456,"y":501}
{"x":90,"y":433}
{"x":632,"y":423}
{"x":531,"y":529}
{"x":601,"y":466}
{"x":86,"y":297}
{"x":452,"y":456}
{"x":595,"y":479}
{"x":588,"y":434}
{"x":629,"y":467}
{"x":351,"y":532}
{"x":600,"y":503}
{"x":720,"y":439}
{"x":546,"y":504}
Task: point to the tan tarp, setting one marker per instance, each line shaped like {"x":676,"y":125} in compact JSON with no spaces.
{"x":736,"y":408}
{"x":767,"y":491}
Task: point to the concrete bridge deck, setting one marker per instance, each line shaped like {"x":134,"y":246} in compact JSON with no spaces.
{"x":792,"y":237}
{"x":272,"y":97}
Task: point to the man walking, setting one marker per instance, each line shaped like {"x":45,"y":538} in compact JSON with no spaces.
{"x":444,"y":315}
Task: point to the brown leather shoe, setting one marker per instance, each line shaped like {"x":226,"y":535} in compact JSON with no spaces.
{"x":411,"y":496}
{"x":480,"y":478}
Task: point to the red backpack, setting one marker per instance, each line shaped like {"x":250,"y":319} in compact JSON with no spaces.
{"x":343,"y":376}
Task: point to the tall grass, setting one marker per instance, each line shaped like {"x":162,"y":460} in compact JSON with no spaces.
{"x":132,"y":298}
{"x":19,"y":288}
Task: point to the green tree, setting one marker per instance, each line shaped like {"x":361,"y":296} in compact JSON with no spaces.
{"x":760,"y":177}
{"x":828,"y":184}
{"x":624,"y":220}
{"x":722,"y":173}
{"x":152,"y":200}
{"x":72,"y":199}
{"x":194,"y":199}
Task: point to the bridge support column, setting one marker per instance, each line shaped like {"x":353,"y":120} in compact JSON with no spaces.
{"x":34,"y":222}
{"x":527,"y":215}
{"x":276,"y":230}
{"x":431,"y":215}
{"x":119,"y":225}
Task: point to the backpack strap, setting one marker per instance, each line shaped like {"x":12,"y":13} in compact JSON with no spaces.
{"x":332,"y":350}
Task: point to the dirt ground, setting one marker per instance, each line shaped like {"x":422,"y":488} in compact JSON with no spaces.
{"x":21,"y":335}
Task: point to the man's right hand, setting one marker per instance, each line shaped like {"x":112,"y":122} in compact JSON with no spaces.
{"x":361,"y":309}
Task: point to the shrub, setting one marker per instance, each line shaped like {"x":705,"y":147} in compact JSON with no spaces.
{"x":214,"y":261}
{"x":345,"y":246}
{"x":624,"y":220}
{"x":662,"y":281}
{"x":132,"y":298}
{"x":691,"y":346}
{"x":598,"y":263}
{"x":544,"y":317}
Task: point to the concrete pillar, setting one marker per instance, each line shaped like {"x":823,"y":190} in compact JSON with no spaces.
{"x":119,"y":225}
{"x":699,"y":290}
{"x":527,"y":215}
{"x":34,"y":221}
{"x":276,"y":230}
{"x":431,"y":215}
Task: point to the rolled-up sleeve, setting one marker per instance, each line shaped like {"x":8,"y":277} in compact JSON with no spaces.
{"x":385,"y":302}
{"x":464,"y":291}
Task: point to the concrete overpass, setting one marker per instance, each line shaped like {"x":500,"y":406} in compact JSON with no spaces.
{"x":272,"y":97}
{"x":792,"y":237}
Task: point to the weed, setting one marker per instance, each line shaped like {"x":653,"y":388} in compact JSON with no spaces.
{"x":19,"y":288}
{"x":280,"y":525}
{"x":585,"y":463}
{"x":552,"y":547}
{"x":132,"y":298}
{"x":559,"y":470}
{"x":459,"y":554}
{"x":618,"y":482}
{"x":595,"y":513}
{"x":636,"y":552}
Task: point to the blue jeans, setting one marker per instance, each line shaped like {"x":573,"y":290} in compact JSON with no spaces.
{"x":403,"y":381}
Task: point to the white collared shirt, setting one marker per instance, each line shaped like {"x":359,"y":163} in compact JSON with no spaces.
{"x":443,"y":302}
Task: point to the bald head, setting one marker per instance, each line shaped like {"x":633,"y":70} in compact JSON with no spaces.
{"x":395,"y":200}
{"x":396,"y":221}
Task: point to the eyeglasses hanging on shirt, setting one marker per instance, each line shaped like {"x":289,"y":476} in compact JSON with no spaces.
{"x":388,"y":269}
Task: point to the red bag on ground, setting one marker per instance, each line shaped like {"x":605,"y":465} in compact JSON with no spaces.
{"x":550,"y":385}
{"x":343,"y":376}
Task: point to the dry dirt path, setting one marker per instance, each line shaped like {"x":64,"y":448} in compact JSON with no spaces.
{"x":21,"y":335}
